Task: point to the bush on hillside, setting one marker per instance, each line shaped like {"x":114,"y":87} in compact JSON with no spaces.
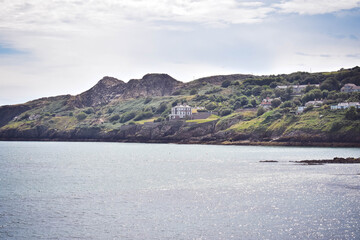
{"x":275,"y":103}
{"x":114,"y":118}
{"x":127,"y":116}
{"x":80,"y":116}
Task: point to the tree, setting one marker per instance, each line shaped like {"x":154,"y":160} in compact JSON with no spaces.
{"x":351,"y":114}
{"x":80,"y":116}
{"x":225,"y":83}
{"x":162,"y":107}
{"x":244,"y":100}
{"x":225,"y":111}
{"x":114,"y":118}
{"x":260,"y":111}
{"x":211,"y":106}
{"x":286,"y":104}
{"x":330,"y":84}
{"x":127,"y":116}
{"x":275,"y":103}
{"x":253,"y":102}
{"x":256,"y":90}
{"x":193,"y":92}
{"x":147,"y":100}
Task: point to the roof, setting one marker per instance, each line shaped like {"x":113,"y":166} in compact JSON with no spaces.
{"x":183,"y":106}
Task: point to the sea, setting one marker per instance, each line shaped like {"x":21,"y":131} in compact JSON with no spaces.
{"x":93,"y":190}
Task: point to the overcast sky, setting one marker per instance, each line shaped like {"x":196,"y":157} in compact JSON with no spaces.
{"x":58,"y":47}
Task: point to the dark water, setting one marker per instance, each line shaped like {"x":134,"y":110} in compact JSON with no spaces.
{"x":54,"y":190}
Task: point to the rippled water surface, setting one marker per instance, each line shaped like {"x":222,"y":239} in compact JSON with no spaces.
{"x":55,"y":190}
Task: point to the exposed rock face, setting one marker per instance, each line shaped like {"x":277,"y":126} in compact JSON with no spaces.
{"x":151,"y":85}
{"x":102,"y":93}
{"x":109,"y":88}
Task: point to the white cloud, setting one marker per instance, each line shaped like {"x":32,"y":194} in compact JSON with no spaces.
{"x":70,"y":14}
{"x":312,"y":7}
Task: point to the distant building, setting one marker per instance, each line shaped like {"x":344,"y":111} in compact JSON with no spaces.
{"x":314,"y":103}
{"x":180,"y":111}
{"x":297,"y":89}
{"x":350,"y":87}
{"x":345,"y":105}
{"x":266,"y":103}
{"x":300,"y":109}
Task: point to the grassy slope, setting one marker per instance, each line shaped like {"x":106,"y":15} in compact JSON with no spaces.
{"x":315,"y":121}
{"x":57,"y":115}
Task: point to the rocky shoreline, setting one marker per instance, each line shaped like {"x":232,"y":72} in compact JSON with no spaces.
{"x":231,"y":143}
{"x":336,"y":160}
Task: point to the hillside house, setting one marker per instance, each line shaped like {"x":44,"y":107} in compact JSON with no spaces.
{"x":266,"y":103}
{"x":350,"y":87}
{"x":180,"y":112}
{"x":298,"y":89}
{"x":300,"y":109}
{"x":345,"y":105}
{"x":314,"y":103}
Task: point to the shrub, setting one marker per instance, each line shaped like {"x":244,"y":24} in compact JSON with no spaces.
{"x":225,"y":112}
{"x":214,"y":90}
{"x":89,"y":111}
{"x":174,"y":103}
{"x":162,"y":107}
{"x":225,"y":83}
{"x":160,"y":119}
{"x":147,"y":100}
{"x":275,"y":103}
{"x":143,"y":115}
{"x":178,"y":92}
{"x":114,"y":118}
{"x":286,"y":104}
{"x":336,"y":126}
{"x":127,"y":116}
{"x":260,"y":111}
{"x":193,"y":92}
{"x":351,"y":114}
{"x":211,"y":106}
{"x":80,"y":116}
{"x":253,"y":102}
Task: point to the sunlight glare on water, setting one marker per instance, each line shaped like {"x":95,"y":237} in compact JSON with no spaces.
{"x":164,"y":191}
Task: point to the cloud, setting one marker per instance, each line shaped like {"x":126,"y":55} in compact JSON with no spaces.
{"x":311,"y":7}
{"x":74,"y":14}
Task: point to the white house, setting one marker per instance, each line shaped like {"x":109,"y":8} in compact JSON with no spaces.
{"x":314,"y":103}
{"x":180,"y":111}
{"x":345,"y":105}
{"x":266,"y":102}
{"x":349,"y":87}
{"x":297,"y":89}
{"x":300,"y":109}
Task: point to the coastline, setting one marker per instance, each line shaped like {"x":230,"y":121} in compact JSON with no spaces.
{"x":231,"y":143}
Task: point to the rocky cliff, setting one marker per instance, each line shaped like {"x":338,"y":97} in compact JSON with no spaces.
{"x":108,"y":89}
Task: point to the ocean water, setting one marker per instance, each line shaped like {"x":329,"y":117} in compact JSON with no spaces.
{"x":62,"y":190}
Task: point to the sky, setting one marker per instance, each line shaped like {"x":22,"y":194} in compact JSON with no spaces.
{"x":57,"y":47}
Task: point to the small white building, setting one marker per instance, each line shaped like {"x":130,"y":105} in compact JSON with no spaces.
{"x":300,"y":109}
{"x":180,"y":111}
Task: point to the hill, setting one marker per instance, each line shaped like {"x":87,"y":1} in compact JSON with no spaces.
{"x":138,"y":111}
